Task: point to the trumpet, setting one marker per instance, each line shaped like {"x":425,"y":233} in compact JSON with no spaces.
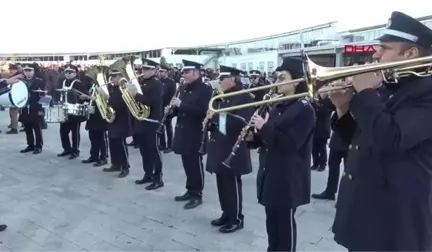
{"x":313,"y":73}
{"x":245,"y":131}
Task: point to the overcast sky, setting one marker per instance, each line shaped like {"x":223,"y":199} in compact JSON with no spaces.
{"x":95,"y":25}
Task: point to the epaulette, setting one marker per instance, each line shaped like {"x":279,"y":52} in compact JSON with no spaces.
{"x":39,"y":79}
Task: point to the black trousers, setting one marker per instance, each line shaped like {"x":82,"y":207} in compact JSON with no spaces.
{"x":151,"y":157}
{"x":119,"y":152}
{"x":98,"y":144}
{"x":335,"y":159}
{"x":230,"y":197}
{"x":33,"y":131}
{"x":65,"y":129}
{"x":194,"y":169}
{"x":166,"y":142}
{"x":260,"y":176}
{"x":319,"y":151}
{"x":281,"y":229}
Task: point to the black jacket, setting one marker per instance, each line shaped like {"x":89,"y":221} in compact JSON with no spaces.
{"x":33,"y":112}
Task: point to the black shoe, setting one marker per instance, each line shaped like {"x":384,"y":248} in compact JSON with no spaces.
{"x":64,"y":154}
{"x":144,"y":180}
{"x":113,"y":168}
{"x":3,"y":227}
{"x":100,"y":163}
{"x":136,"y":146}
{"x":155,"y":185}
{"x":230,"y":228}
{"x":12,"y":131}
{"x":321,"y":168}
{"x":314,"y":167}
{"x":123,"y":173}
{"x":324,"y":196}
{"x":219,"y":222}
{"x":89,"y":160}
{"x":27,"y":149}
{"x":167,"y":151}
{"x":44,"y":127}
{"x":37,"y":151}
{"x":194,"y":202}
{"x":22,"y":130}
{"x":184,"y":197}
{"x":74,"y":155}
{"x":131,"y":144}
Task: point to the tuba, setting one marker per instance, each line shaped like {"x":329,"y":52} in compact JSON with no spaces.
{"x":126,"y":67}
{"x":98,"y":75}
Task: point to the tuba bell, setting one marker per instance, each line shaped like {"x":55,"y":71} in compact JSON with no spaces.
{"x":98,"y":76}
{"x":126,"y":67}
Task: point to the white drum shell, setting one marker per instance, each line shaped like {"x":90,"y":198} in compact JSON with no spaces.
{"x":17,"y":96}
{"x":55,"y":114}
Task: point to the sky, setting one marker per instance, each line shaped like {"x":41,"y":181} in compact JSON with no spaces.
{"x":58,"y":26}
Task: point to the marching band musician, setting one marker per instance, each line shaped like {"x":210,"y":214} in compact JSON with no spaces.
{"x":97,"y":130}
{"x":120,"y":128}
{"x":145,"y":130}
{"x":191,"y":108}
{"x":257,"y":81}
{"x":73,"y":123}
{"x":222,"y":138}
{"x":169,"y":89}
{"x":385,"y":201}
{"x":287,"y":136}
{"x":32,"y":114}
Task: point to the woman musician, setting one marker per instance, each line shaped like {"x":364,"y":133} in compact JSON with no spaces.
{"x":223,"y":136}
{"x":287,"y":135}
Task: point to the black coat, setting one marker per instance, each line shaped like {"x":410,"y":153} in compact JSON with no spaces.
{"x":385,"y":201}
{"x":219,"y":147}
{"x":95,"y":120}
{"x":169,"y":89}
{"x":152,"y":92}
{"x":323,"y":110}
{"x":195,"y":97}
{"x":121,"y":126}
{"x":287,"y":135}
{"x":33,"y":112}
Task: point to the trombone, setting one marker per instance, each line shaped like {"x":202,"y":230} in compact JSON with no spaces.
{"x":315,"y":73}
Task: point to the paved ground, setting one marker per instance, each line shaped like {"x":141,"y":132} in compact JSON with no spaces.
{"x":53,"y":204}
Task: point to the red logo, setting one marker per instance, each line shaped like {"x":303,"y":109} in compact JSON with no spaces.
{"x":359,"y":49}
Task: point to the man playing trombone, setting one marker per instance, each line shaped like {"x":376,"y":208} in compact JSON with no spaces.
{"x":385,"y":201}
{"x":224,"y":134}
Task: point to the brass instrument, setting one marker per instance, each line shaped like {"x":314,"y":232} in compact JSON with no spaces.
{"x":314,"y":73}
{"x":98,"y":75}
{"x":204,"y":133}
{"x":126,"y":68}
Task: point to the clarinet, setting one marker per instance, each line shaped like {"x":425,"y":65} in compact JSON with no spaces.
{"x":245,"y":131}
{"x":206,"y":127}
{"x":160,"y":129}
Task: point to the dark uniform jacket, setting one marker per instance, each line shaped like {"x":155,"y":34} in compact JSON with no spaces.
{"x":219,"y":146}
{"x":121,"y":126}
{"x":385,"y":198}
{"x":33,"y":112}
{"x":169,"y":89}
{"x":195,"y":97}
{"x":323,"y":110}
{"x":72,"y":97}
{"x":95,"y":121}
{"x":152,"y":91}
{"x":287,"y":135}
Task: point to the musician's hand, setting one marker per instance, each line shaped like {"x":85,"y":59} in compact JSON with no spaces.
{"x":257,"y":121}
{"x":249,"y":137}
{"x":93,"y":98}
{"x":133,"y":91}
{"x":210,"y":114}
{"x":341,"y":97}
{"x":18,"y":77}
{"x":84,"y":97}
{"x":367,"y":80}
{"x":175,"y":102}
{"x":167,"y":109}
{"x":12,"y":81}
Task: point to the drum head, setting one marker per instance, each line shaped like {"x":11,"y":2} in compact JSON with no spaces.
{"x":19,"y":94}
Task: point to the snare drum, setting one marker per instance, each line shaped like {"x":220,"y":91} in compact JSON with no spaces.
{"x":15,"y":95}
{"x":55,"y":114}
{"x":74,"y":109}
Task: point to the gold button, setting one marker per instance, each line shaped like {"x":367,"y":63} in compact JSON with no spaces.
{"x":350,"y":146}
{"x":349,"y":176}
{"x":357,"y":147}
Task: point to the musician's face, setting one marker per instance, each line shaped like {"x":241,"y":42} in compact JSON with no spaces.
{"x":285,"y":89}
{"x":115,"y":79}
{"x":70,"y":74}
{"x":148,"y":72}
{"x":190,"y":75}
{"x":29,"y":73}
{"x":394,"y":51}
{"x":226,"y":82}
{"x":163,"y":73}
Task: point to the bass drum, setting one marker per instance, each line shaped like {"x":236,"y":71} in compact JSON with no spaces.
{"x":15,"y":95}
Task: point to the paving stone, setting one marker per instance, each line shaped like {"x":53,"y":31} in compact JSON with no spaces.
{"x":56,"y":204}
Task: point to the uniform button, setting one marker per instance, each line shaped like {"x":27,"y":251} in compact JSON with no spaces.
{"x":357,"y":147}
{"x":350,"y":177}
{"x":350,"y":146}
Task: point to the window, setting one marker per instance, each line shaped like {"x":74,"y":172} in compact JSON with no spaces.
{"x":234,"y":65}
{"x":243,"y":66}
{"x":270,"y":66}
{"x":250,"y":66}
{"x":261,"y":66}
